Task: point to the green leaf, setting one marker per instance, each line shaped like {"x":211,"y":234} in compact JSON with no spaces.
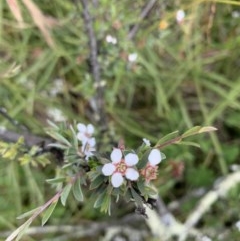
{"x":27,"y":214}
{"x":65,"y":193}
{"x":137,"y":198}
{"x":100,"y":199}
{"x":74,"y":135}
{"x":56,"y":180}
{"x":48,"y":212}
{"x":167,"y":137}
{"x":189,"y":143}
{"x":59,"y":137}
{"x":193,"y":131}
{"x":198,"y":130}
{"x":77,"y":190}
{"x":143,"y":161}
{"x":97,"y":181}
{"x":58,"y":145}
{"x":53,"y":125}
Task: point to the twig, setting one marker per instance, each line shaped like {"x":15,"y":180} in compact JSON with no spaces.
{"x":97,"y":102}
{"x":143,"y":14}
{"x":30,"y":140}
{"x":208,"y":200}
{"x":81,"y":230}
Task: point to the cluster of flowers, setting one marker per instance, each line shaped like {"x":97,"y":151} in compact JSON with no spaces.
{"x":122,"y":166}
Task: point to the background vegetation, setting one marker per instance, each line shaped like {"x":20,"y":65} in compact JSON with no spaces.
{"x":185,"y":74}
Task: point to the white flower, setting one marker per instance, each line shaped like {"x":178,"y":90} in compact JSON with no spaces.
{"x":121,"y":167}
{"x":150,"y":171}
{"x":111,"y":39}
{"x":85,"y":136}
{"x":85,"y":132}
{"x":180,"y":15}
{"x":132,"y":57}
{"x":147,"y":142}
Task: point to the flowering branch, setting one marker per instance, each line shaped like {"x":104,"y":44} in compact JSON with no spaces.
{"x":126,"y":173}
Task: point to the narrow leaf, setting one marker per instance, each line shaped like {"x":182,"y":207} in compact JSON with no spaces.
{"x":20,"y":231}
{"x":27,"y":214}
{"x":75,"y":140}
{"x":167,"y":137}
{"x":56,"y":180}
{"x":192,"y":131}
{"x":189,"y":143}
{"x":77,"y":190}
{"x":65,"y":193}
{"x":58,"y":145}
{"x":207,"y":129}
{"x":48,"y":212}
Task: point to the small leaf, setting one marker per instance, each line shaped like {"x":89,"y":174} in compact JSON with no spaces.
{"x":20,"y":231}
{"x":65,"y":193}
{"x":100,"y":199}
{"x":97,"y":181}
{"x":59,"y":137}
{"x":48,"y":212}
{"x":56,"y":180}
{"x":193,"y":131}
{"x":58,"y":145}
{"x":167,"y":137}
{"x":75,"y":140}
{"x":189,"y":143}
{"x":77,"y":190}
{"x":207,"y":129}
{"x":137,"y":198}
{"x":27,"y":214}
{"x":143,"y":161}
{"x":53,"y":125}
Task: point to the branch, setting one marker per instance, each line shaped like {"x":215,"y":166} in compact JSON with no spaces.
{"x":30,"y":140}
{"x":97,"y":102}
{"x":143,"y":14}
{"x":208,"y":200}
{"x":82,"y":230}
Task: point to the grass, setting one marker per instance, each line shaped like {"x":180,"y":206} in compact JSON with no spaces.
{"x":185,"y":75}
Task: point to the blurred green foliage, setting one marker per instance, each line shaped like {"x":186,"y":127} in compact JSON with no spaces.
{"x":185,"y":74}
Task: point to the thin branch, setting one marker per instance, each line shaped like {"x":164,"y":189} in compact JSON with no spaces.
{"x":97,"y":102}
{"x":30,"y":140}
{"x":143,"y":15}
{"x":89,"y":229}
{"x":208,"y":200}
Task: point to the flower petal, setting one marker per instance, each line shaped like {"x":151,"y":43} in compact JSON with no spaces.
{"x":132,"y":174}
{"x":92,"y":142}
{"x":117,"y":179}
{"x":116,"y":155}
{"x":81,"y":127}
{"x":90,"y":129}
{"x":154,"y":157}
{"x":131,"y":159}
{"x":108,"y":169}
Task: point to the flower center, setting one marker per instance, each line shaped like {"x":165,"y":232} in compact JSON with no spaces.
{"x":121,"y":167}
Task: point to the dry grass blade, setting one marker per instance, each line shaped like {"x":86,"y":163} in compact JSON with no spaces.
{"x":16,"y":11}
{"x":42,"y":22}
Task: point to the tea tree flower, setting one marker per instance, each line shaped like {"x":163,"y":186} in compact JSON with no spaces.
{"x":180,"y":15}
{"x":150,"y":171}
{"x":84,"y":134}
{"x":121,"y":167}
